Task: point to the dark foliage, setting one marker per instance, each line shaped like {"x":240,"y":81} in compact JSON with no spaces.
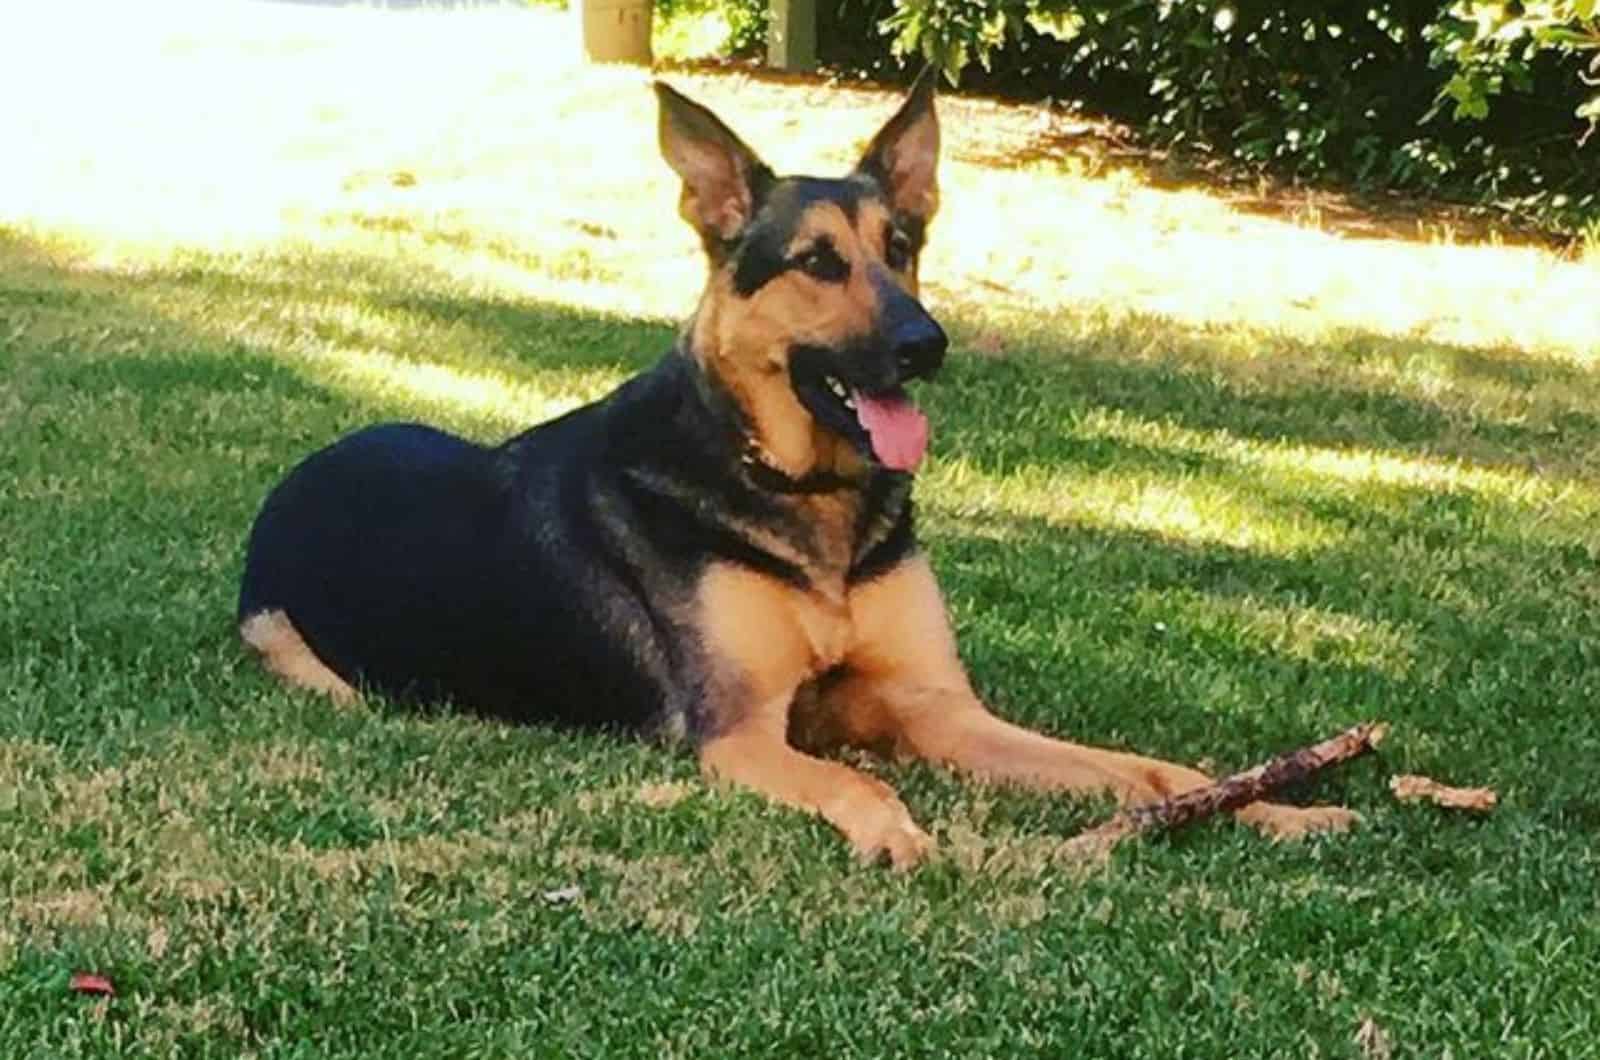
{"x":1487,"y":102}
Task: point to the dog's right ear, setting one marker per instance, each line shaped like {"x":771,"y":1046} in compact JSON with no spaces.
{"x":904,"y":157}
{"x":723,"y":180}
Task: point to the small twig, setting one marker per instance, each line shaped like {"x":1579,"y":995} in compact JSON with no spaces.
{"x":1413,"y":788}
{"x":1235,"y":791}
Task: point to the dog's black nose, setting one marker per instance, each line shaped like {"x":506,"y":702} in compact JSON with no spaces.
{"x":918,"y":346}
{"x":915,"y":339}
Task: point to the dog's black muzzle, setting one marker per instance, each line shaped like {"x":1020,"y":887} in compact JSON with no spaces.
{"x":913,"y":340}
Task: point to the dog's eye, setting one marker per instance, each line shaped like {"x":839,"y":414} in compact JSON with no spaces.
{"x":822,"y":262}
{"x":897,"y":250}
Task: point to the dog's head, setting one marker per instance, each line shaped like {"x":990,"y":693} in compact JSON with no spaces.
{"x":810,"y":318}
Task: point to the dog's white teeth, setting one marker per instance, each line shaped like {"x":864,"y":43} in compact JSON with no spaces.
{"x":840,"y":391}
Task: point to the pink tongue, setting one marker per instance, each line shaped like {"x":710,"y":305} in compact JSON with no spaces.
{"x":898,"y":428}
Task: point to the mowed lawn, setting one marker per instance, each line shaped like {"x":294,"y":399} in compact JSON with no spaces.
{"x":1212,"y":477}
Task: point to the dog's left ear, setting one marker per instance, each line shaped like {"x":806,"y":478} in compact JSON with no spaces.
{"x":904,"y":157}
{"x":723,"y":180}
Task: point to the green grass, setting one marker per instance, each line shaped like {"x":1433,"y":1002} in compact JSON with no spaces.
{"x":1201,"y":524}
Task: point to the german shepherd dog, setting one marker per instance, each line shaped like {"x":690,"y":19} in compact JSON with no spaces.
{"x":721,"y":550}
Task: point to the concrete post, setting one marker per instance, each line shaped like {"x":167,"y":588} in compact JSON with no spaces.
{"x":614,"y":31}
{"x":792,"y":34}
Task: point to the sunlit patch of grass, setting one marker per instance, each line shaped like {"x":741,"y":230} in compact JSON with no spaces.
{"x":533,"y":174}
{"x":1306,"y":634}
{"x":1589,"y":244}
{"x":1179,"y":507}
{"x":1371,"y":473}
{"x":431,"y":388}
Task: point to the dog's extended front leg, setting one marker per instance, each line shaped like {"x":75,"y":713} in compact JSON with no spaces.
{"x":906,"y":688}
{"x":755,"y":754}
{"x":965,"y":735}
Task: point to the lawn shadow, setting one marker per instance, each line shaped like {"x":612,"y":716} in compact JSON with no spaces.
{"x":1484,"y":406}
{"x":1476,"y":646}
{"x":1487,"y":406}
{"x":163,"y":403}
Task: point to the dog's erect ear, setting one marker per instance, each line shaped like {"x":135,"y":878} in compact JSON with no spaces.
{"x":904,"y":157}
{"x":723,"y":180}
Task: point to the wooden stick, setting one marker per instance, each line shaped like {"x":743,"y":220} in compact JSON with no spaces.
{"x":1232,"y":792}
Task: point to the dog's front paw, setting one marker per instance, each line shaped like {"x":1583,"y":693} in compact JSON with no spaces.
{"x":905,"y":844}
{"x":883,"y":827}
{"x":1294,"y":822}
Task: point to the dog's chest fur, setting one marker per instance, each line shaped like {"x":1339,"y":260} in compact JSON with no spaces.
{"x":775,"y":635}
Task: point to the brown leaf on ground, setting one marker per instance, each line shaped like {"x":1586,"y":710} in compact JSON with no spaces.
{"x":90,"y":983}
{"x":1412,"y":788}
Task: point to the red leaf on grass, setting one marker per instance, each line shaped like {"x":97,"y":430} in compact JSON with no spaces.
{"x":89,"y":983}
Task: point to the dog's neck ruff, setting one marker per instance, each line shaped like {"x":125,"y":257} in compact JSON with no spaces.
{"x":768,"y":476}
{"x":759,"y":468}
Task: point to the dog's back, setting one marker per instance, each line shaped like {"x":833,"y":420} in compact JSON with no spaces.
{"x":505,"y":579}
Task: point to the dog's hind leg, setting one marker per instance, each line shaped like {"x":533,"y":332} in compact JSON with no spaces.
{"x":285,"y":653}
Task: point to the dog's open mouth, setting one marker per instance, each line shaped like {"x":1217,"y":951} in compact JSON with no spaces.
{"x":885,"y":423}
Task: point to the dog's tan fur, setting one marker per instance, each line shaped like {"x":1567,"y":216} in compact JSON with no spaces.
{"x":284,"y":653}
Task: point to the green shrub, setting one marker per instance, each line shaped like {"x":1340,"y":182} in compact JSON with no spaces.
{"x":1391,"y":93}
{"x":1493,"y":45}
{"x":745,"y":20}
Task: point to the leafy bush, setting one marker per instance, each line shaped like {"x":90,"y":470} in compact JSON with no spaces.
{"x":1493,"y":44}
{"x":745,"y":21}
{"x":1390,"y":93}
